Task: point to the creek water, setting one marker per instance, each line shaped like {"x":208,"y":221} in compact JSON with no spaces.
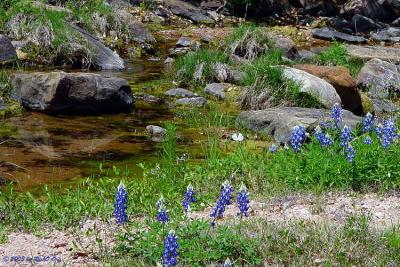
{"x":37,"y":149}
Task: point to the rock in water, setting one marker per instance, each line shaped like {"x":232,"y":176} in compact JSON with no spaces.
{"x":60,"y":92}
{"x":104,"y":58}
{"x":332,"y":35}
{"x":279,"y":122}
{"x":324,"y":92}
{"x":7,"y":50}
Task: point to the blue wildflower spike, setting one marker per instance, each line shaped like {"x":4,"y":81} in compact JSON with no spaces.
{"x":120,"y":205}
{"x":387,"y":133}
{"x":224,"y":200}
{"x":367,"y":140}
{"x":345,"y":136}
{"x":273,"y":148}
{"x":227,"y":263}
{"x":368,"y":122}
{"x":171,"y":248}
{"x":324,"y":139}
{"x":162,"y":215}
{"x":337,"y":114}
{"x":243,"y":201}
{"x":298,"y":137}
{"x":350,"y":153}
{"x":188,"y":198}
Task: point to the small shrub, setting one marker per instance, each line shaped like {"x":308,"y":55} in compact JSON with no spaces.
{"x":249,"y":42}
{"x":196,"y":67}
{"x":5,"y":84}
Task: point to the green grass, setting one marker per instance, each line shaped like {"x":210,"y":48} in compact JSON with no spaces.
{"x":248,"y":42}
{"x":185,"y":67}
{"x":265,"y":76}
{"x":336,"y":56}
{"x":257,"y":242}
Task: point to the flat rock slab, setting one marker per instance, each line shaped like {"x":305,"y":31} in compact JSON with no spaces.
{"x":189,"y":11}
{"x":179,"y":92}
{"x":279,"y":122}
{"x":60,"y":92}
{"x":333,"y":35}
{"x":7,"y":50}
{"x":391,"y":54}
{"x":324,"y":92}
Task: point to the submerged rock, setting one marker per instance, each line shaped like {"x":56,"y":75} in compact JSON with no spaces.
{"x":391,"y":54}
{"x":332,"y":35}
{"x":179,"y":92}
{"x":7,"y":50}
{"x":324,"y":92}
{"x":340,"y":78}
{"x":380,"y":78}
{"x":60,"y":92}
{"x":279,"y":122}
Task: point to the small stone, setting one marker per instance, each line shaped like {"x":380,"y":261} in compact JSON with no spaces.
{"x":184,"y":42}
{"x":179,"y":92}
{"x":216,"y":89}
{"x":169,"y":61}
{"x":193,"y":101}
{"x":156,"y":130}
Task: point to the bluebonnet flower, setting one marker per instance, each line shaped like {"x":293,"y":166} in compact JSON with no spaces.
{"x":367,"y":140}
{"x":298,"y":137}
{"x":337,"y":114}
{"x":188,"y":198}
{"x":162,"y":215}
{"x":350,"y":153}
{"x":273,"y":148}
{"x":324,"y":139}
{"x":171,"y":248}
{"x":227,"y":263}
{"x":387,"y":133}
{"x":224,"y":200}
{"x":120,"y":205}
{"x":243,"y":201}
{"x":368,"y":122}
{"x":345,"y":136}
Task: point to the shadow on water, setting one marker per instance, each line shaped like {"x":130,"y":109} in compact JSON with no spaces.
{"x":37,"y":149}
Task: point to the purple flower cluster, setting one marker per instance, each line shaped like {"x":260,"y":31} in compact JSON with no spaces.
{"x":120,"y":205}
{"x":162,"y":215}
{"x":337,"y":114}
{"x":345,"y":136}
{"x":367,"y":140}
{"x":368,"y":122}
{"x":324,"y":139}
{"x":227,"y":263}
{"x":273,"y":148}
{"x":298,"y":137}
{"x":171,"y":248}
{"x":350,"y":153}
{"x":224,"y":200}
{"x":243,"y":201}
{"x":387,"y":133}
{"x":189,"y":197}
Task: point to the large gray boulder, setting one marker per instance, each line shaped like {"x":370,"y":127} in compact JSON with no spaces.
{"x":60,"y":92}
{"x":324,"y":92}
{"x":278,"y":122}
{"x":380,"y":77}
{"x":7,"y":50}
{"x":391,"y":54}
{"x":369,"y":8}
